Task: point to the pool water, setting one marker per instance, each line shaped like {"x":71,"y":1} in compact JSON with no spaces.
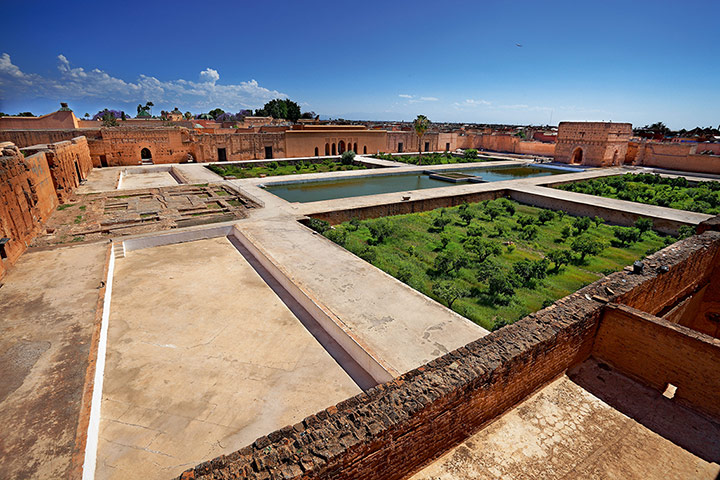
{"x":314,"y":191}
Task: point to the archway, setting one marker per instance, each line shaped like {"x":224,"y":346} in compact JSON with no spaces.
{"x":615,"y":159}
{"x":355,"y":147}
{"x":333,"y":149}
{"x":327,"y":149}
{"x":577,"y":156}
{"x":317,"y":152}
{"x":145,"y":156}
{"x":365,"y":150}
{"x":341,"y":146}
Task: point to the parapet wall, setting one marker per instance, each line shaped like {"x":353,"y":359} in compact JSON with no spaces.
{"x":27,"y":198}
{"x":506,"y":143}
{"x":394,"y":429}
{"x":675,"y":156}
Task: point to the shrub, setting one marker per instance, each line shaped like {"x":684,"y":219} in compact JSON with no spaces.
{"x":500,"y":287}
{"x":545,"y":216}
{"x":627,"y":235}
{"x":644,"y":224}
{"x":380,"y":229}
{"x":475,"y":230}
{"x":440,"y":222}
{"x":320,"y":226}
{"x":581,"y":224}
{"x":529,"y":232}
{"x":686,"y":231}
{"x":524,"y":220}
{"x":404,"y":273}
{"x":450,"y":260}
{"x":470,"y":153}
{"x":598,"y":221}
{"x":354,"y":224}
{"x":347,"y":157}
{"x":337,"y":235}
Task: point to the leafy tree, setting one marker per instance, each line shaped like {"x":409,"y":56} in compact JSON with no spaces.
{"x":644,"y":224}
{"x":448,"y":292}
{"x":470,"y":154}
{"x":87,"y":115}
{"x":585,"y":245}
{"x":581,"y":224}
{"x":482,"y":248}
{"x":450,"y":260}
{"x":627,"y":236}
{"x":308,"y":115}
{"x":354,"y":224}
{"x":466,"y":213}
{"x":25,"y":114}
{"x":500,"y":287}
{"x":188,"y":115}
{"x":527,"y":271}
{"x":109,"y":120}
{"x":420,"y":124}
{"x":280,"y":108}
{"x":559,"y":258}
{"x":347,"y":157}
{"x":598,"y":221}
{"x":494,"y":210}
{"x":380,"y":229}
{"x":545,"y":216}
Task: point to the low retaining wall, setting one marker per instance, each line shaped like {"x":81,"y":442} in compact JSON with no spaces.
{"x":401,"y":208}
{"x":394,"y":429}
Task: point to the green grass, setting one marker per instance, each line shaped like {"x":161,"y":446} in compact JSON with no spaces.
{"x":409,"y":253}
{"x":430,"y":159}
{"x":703,"y":197}
{"x":275,"y":169}
{"x":78,"y":219}
{"x":63,"y":207}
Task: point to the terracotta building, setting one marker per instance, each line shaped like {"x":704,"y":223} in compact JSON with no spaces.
{"x":595,"y":144}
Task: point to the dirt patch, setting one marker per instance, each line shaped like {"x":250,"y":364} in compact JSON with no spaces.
{"x":92,"y":217}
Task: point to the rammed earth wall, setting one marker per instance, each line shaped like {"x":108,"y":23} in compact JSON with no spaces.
{"x":394,"y":429}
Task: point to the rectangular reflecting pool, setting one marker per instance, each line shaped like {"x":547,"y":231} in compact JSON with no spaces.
{"x":313,"y":191}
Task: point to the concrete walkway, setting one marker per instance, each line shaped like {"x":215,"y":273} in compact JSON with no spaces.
{"x":48,"y":308}
{"x":622,"y":212}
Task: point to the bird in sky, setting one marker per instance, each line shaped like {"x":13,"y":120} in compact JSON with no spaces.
{"x":518,"y":45}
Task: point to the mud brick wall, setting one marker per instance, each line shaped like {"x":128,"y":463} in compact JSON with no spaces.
{"x":27,"y":198}
{"x":394,"y":429}
{"x":657,"y":352}
{"x":69,"y":163}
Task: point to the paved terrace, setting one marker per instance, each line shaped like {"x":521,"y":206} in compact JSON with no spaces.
{"x":592,"y":422}
{"x":203,"y":362}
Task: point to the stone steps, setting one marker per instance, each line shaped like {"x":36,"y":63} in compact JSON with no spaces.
{"x":119,"y":249}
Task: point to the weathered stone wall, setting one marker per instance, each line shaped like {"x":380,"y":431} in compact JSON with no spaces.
{"x":600,"y":144}
{"x":238,"y":146}
{"x":27,"y":198}
{"x":658,"y":353}
{"x":506,"y":143}
{"x":69,"y":163}
{"x":394,"y":429}
{"x":123,"y":146}
{"x":675,"y":156}
{"x":302,"y":143}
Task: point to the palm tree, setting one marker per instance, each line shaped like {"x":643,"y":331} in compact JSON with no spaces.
{"x":421,"y":124}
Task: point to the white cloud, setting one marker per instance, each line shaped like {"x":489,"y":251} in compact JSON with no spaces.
{"x":79,"y":83}
{"x":474,"y":103}
{"x":429,"y":99}
{"x":210,"y":75}
{"x":405,"y":95}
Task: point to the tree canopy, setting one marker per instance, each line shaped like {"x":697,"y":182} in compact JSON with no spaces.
{"x":280,"y":108}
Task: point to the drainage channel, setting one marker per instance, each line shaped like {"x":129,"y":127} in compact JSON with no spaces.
{"x":358,"y":374}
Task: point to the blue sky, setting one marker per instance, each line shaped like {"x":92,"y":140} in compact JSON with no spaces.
{"x":636,"y":61}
